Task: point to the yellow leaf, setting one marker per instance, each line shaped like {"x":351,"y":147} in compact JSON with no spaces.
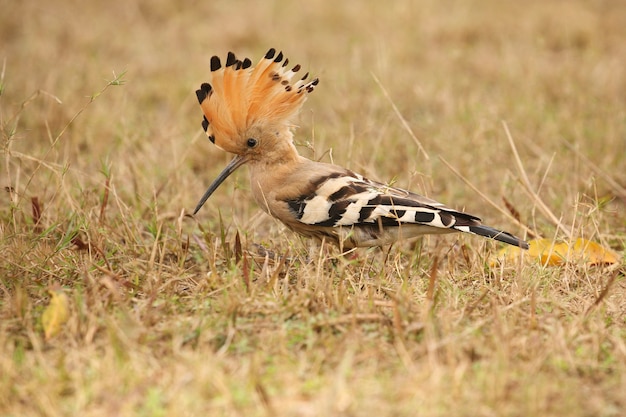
{"x":507,"y":254}
{"x":550,"y":253}
{"x":56,"y":314}
{"x":592,"y":253}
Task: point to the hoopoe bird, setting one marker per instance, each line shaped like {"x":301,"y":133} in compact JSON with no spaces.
{"x":248,"y":111}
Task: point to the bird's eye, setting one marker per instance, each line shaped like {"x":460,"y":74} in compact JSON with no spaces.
{"x":252,"y":142}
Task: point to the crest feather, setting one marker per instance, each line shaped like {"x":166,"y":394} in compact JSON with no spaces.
{"x":240,"y":95}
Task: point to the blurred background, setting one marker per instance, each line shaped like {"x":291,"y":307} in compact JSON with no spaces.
{"x":553,"y":71}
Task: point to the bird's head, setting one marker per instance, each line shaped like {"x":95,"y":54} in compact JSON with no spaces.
{"x":248,"y":110}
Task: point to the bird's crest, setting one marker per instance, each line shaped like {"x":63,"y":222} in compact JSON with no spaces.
{"x":241,"y":96}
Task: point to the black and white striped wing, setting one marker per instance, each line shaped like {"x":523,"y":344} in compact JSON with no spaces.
{"x":353,"y":201}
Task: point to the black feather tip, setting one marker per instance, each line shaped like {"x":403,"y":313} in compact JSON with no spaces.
{"x":230,"y":59}
{"x":203,"y":92}
{"x":215,"y":63}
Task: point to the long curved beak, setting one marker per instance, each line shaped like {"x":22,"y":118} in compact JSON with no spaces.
{"x":237,"y":161}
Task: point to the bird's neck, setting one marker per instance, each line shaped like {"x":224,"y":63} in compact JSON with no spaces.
{"x":276,"y":165}
{"x":276,"y":174}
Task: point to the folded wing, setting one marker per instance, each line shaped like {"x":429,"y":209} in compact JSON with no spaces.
{"x":348,"y":200}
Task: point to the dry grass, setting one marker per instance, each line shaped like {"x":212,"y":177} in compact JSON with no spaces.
{"x":169,"y":317}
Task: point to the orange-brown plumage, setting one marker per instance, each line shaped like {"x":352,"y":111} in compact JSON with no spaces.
{"x":240,"y":97}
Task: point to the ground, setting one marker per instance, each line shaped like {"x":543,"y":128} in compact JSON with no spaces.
{"x":228,"y":313}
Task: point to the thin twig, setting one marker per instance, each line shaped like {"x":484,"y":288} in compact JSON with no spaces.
{"x":604,"y":291}
{"x":526,"y":183}
{"x":405,"y":124}
{"x":599,"y":171}
{"x":487,"y":199}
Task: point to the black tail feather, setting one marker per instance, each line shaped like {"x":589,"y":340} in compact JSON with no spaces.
{"x":499,"y":235}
